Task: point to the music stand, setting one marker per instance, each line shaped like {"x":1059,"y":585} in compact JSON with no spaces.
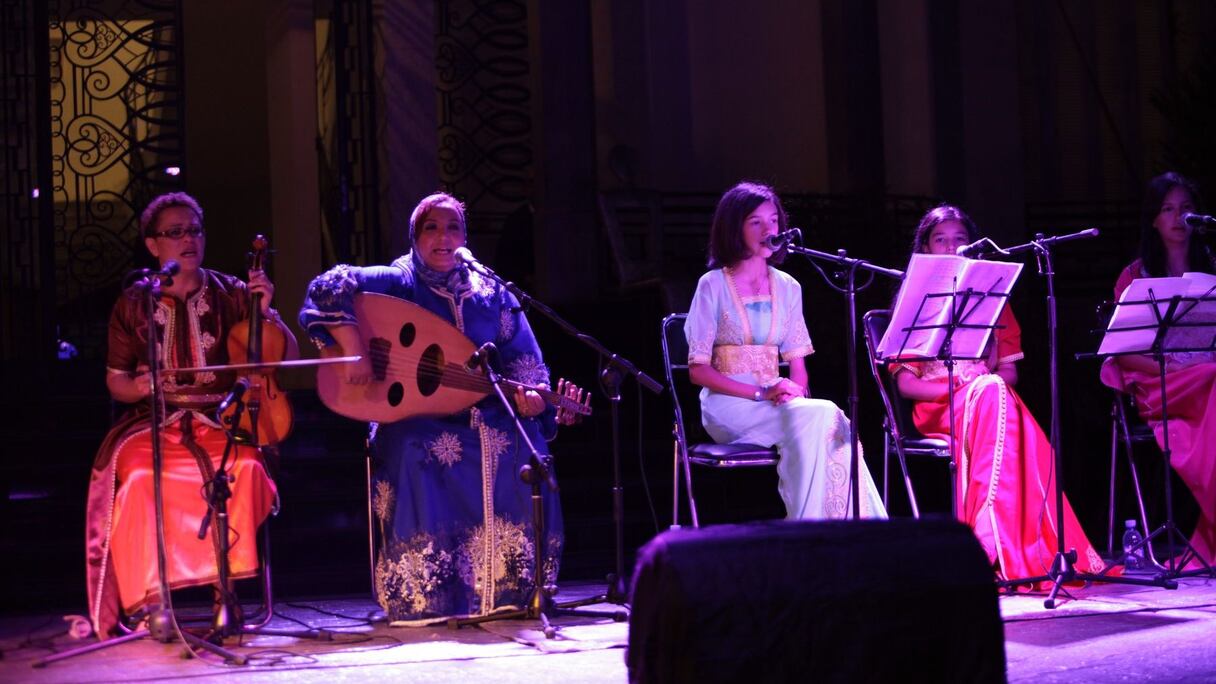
{"x":1139,"y":326}
{"x":934,"y":319}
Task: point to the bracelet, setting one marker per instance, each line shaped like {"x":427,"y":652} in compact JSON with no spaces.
{"x":758,"y":395}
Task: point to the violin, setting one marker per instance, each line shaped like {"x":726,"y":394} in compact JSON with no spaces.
{"x":267,"y":417}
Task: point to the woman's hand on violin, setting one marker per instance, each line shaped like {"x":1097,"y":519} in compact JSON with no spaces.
{"x":142,"y":384}
{"x":574,"y":393}
{"x":528,"y":403}
{"x":784,"y":390}
{"x":259,"y":283}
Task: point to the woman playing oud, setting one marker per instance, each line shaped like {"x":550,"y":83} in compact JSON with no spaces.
{"x":453,"y":517}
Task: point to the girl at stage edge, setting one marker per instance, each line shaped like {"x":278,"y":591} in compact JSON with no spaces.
{"x":1168,"y":248}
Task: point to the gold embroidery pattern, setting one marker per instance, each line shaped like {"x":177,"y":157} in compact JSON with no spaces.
{"x":732,"y":359}
{"x":196,"y":307}
{"x":836,"y":504}
{"x":497,"y":562}
{"x":168,"y":323}
{"x":699,"y":351}
{"x":410,"y":576}
{"x":506,"y":324}
{"x":528,"y":369}
{"x":494,"y":443}
{"x":974,"y":391}
{"x":964,"y":371}
{"x":383,"y":500}
{"x":729,"y":330}
{"x":482,"y":287}
{"x":446,"y":449}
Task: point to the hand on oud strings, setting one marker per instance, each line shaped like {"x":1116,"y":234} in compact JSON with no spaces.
{"x":574,"y":393}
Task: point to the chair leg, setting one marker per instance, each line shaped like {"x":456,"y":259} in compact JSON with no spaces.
{"x":692,"y":502}
{"x":266,"y":613}
{"x":886,"y":468}
{"x":1131,"y":466}
{"x":903,"y":466}
{"x":1110,"y":511}
{"x":675,"y":483}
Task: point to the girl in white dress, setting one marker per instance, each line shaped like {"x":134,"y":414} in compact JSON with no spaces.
{"x":746,"y":316}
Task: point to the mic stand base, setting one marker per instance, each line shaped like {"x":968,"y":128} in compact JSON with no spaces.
{"x":160,"y":628}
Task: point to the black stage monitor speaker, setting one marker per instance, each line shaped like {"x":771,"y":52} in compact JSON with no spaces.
{"x":794,"y":601}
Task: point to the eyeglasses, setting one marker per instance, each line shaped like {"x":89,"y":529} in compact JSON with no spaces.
{"x":177,"y":232}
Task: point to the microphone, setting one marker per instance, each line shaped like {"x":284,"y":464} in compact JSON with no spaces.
{"x":776,"y":242}
{"x":481,"y":357}
{"x":170,"y":269}
{"x":464,"y":256}
{"x":238,"y":390}
{"x":974,"y":249}
{"x":1200,"y":222}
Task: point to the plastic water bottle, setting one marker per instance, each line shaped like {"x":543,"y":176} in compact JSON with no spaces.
{"x":1133,"y":555}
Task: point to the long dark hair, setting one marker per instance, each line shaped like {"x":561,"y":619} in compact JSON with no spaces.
{"x":1152,"y":250}
{"x":940,"y":214}
{"x":726,"y":246}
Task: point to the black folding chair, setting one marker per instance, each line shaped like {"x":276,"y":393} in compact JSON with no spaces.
{"x":702,"y":453}
{"x":1127,"y":428}
{"x":899,"y":434}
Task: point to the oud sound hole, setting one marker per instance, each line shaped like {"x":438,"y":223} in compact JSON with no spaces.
{"x":408,"y":334}
{"x":396,"y":392}
{"x":430,"y":370}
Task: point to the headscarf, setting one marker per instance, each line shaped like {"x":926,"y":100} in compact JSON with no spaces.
{"x":455,"y":282}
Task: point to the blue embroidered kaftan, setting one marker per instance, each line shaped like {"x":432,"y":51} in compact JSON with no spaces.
{"x":454,"y":519}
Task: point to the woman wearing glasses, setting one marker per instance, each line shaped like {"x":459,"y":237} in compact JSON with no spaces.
{"x":195,"y":312}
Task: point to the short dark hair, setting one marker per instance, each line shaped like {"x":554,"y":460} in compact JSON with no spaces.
{"x":937,"y":215}
{"x":426,"y":204}
{"x":1152,"y":250}
{"x":726,"y":246}
{"x":151,"y":214}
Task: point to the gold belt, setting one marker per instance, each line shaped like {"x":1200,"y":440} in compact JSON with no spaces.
{"x":192,"y":401}
{"x":732,"y":359}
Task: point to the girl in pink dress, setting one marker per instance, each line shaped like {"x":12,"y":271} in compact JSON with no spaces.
{"x":1005,"y":483}
{"x":1167,"y":249}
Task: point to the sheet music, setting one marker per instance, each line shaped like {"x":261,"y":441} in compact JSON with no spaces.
{"x":934,"y":274}
{"x":1133,"y":327}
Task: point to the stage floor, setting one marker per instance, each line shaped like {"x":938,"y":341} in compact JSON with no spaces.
{"x":1105,"y":633}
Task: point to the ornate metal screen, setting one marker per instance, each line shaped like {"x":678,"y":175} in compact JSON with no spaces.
{"x":116,"y":141}
{"x":485,"y":121}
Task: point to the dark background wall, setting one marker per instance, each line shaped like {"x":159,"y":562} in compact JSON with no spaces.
{"x":591,"y":140}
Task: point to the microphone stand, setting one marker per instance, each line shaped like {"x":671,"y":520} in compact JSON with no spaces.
{"x":848,"y":267}
{"x":538,"y":469}
{"x":1062,"y":567}
{"x":615,"y":368}
{"x":162,"y":624}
